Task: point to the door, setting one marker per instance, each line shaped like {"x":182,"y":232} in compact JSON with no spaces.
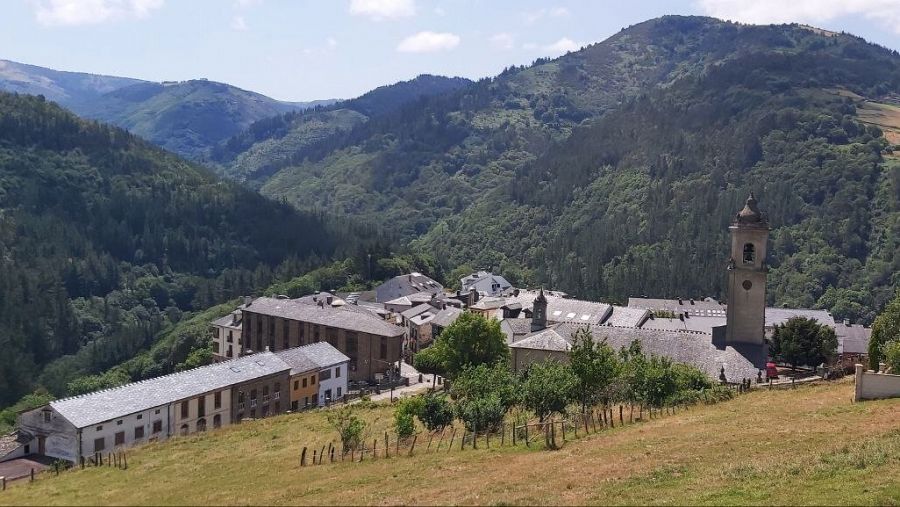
{"x":42,"y":445}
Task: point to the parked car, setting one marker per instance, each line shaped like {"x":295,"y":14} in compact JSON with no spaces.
{"x":771,"y":371}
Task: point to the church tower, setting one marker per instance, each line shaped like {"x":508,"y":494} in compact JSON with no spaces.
{"x":539,"y":312}
{"x":746,"y":317}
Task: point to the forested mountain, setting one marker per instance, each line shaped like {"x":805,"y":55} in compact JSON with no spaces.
{"x":106,"y":242}
{"x":614,"y":170}
{"x":273,"y":143}
{"x":186,"y":117}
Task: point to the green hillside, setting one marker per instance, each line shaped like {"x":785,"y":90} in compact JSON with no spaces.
{"x":107,"y":244}
{"x":273,"y":143}
{"x":805,"y":446}
{"x":614,"y":170}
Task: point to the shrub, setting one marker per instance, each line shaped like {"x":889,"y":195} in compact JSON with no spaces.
{"x":349,"y":427}
{"x":436,"y":412}
{"x":481,"y":413}
{"x":404,"y":424}
{"x":891,"y":352}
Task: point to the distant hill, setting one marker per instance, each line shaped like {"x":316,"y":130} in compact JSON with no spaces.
{"x":613,"y":170}
{"x":272,"y":143}
{"x":107,"y":242}
{"x":187,"y":117}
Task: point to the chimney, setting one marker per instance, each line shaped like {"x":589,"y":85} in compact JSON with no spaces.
{"x":680,"y":302}
{"x":328,"y":300}
{"x":409,"y":277}
{"x":248,"y":300}
{"x":692,"y":302}
{"x":267,"y":348}
{"x":516,"y":293}
{"x":847,"y":322}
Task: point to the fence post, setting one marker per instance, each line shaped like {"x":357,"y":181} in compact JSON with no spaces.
{"x":621,"y":417}
{"x":440,"y":439}
{"x":322,"y":455}
{"x":527,"y":441}
{"x":462,"y":442}
{"x":576,"y":425}
{"x":303,"y":457}
{"x":352,"y":454}
{"x":514,"y":428}
{"x":331,"y":454}
{"x":32,"y":475}
{"x":452,"y":437}
{"x":430,"y":437}
{"x":593,"y":420}
{"x":413,"y":446}
{"x":314,"y":457}
{"x":3,"y":483}
{"x":81,"y":461}
{"x":612,"y":418}
{"x":475,"y":438}
{"x":387,"y":445}
{"x":503,"y":435}
{"x":125,"y":458}
{"x":398,"y":446}
{"x":563,"y":427}
{"x":487,"y":439}
{"x":375,"y":448}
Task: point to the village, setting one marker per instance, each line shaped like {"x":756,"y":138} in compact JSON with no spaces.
{"x":275,"y":355}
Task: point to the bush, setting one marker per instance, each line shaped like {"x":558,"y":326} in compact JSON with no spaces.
{"x":404,"y":424}
{"x":436,"y":412}
{"x":891,"y":352}
{"x":349,"y":427}
{"x":481,"y":413}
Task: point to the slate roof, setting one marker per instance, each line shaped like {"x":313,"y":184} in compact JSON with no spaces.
{"x":517,"y":326}
{"x":405,"y":285}
{"x":484,"y":281}
{"x":853,"y":339}
{"x":312,"y":357}
{"x":698,"y":324}
{"x":345,"y":317}
{"x":623,"y":316}
{"x":447,"y":316}
{"x":97,"y":407}
{"x":707,"y":307}
{"x":684,"y":347}
{"x":416,"y":310}
{"x":781,"y":315}
{"x":12,"y":441}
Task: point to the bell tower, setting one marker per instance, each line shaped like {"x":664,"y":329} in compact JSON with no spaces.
{"x":746,"y":315}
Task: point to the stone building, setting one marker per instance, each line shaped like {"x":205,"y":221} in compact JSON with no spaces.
{"x":372,"y":344}
{"x":318,"y":374}
{"x":747,"y":269}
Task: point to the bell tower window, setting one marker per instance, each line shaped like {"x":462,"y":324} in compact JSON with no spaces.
{"x":749,"y":253}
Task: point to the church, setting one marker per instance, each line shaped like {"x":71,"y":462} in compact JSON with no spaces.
{"x":713,"y":336}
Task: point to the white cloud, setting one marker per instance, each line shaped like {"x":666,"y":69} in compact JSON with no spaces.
{"x":563,"y":45}
{"x":426,"y":42}
{"x":238,"y":23}
{"x":245,"y":4}
{"x":532,"y":17}
{"x":503,"y":41}
{"x":885,"y":12}
{"x":439,"y":11}
{"x":331,"y":42}
{"x":381,"y":9}
{"x":85,"y":12}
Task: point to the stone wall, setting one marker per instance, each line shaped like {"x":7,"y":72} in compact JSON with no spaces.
{"x":873,"y":386}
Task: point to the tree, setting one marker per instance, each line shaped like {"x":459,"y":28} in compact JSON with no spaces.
{"x":436,"y":412}
{"x":471,"y":340}
{"x":548,"y":388}
{"x":432,"y":360}
{"x":803,"y":341}
{"x":348,"y":425}
{"x":885,"y":328}
{"x":595,"y":365}
{"x":891,"y":351}
{"x":660,"y":381}
{"x":484,"y":394}
{"x":404,"y":413}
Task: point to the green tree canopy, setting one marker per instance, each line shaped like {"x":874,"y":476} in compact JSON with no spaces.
{"x":484,"y":394}
{"x":471,"y":340}
{"x":802,"y":341}
{"x":886,"y":328}
{"x":548,"y":388}
{"x":596,"y":366}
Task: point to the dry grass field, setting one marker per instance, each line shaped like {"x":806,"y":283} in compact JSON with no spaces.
{"x":808,"y":445}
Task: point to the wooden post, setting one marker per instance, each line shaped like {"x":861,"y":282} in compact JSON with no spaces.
{"x":3,"y":483}
{"x":563,"y":428}
{"x":612,"y":419}
{"x":32,"y":475}
{"x":331,"y":454}
{"x":503,"y":435}
{"x":314,"y":457}
{"x":547,"y":435}
{"x":374,"y":448}
{"x":594,"y":420}
{"x":641,"y":411}
{"x":621,"y":417}
{"x":462,"y":443}
{"x":553,"y":432}
{"x":413,"y":446}
{"x":352,"y":454}
{"x":387,"y":445}
{"x":514,"y":428}
{"x":81,"y":461}
{"x":303,"y":457}
{"x":527,"y":442}
{"x":487,"y":439}
{"x":398,"y":446}
{"x":125,"y":459}
{"x":430,"y":437}
{"x":322,"y":455}
{"x":440,"y":439}
{"x":452,"y":437}
{"x":576,"y":425}
{"x":631,"y":414}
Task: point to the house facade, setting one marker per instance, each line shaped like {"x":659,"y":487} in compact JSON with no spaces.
{"x":372,"y":345}
{"x":407,"y":285}
{"x":226,"y":337}
{"x":319,"y":374}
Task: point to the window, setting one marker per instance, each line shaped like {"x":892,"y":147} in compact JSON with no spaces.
{"x":351,"y":340}
{"x":304,"y":381}
{"x":99,"y":428}
{"x":99,"y":444}
{"x":749,"y":253}
{"x":230,"y":338}
{"x":383,"y":350}
{"x":156,"y":412}
{"x":201,"y":424}
{"x":120,"y":438}
{"x":252,"y":394}
{"x":297,"y":384}
{"x":184,"y":409}
{"x":277,"y":407}
{"x":138,"y":432}
{"x":217,"y":421}
{"x":265,"y":394}
{"x":312,"y":380}
{"x":119,"y":422}
{"x":337,"y":372}
{"x":338,"y":392}
{"x":157,"y":426}
{"x":252,"y":410}
{"x":306,"y":401}
{"x":277,"y":394}
{"x":324,"y":375}
{"x":139,"y":417}
{"x":201,"y":406}
{"x":46,"y":416}
{"x":217,"y":400}
{"x":185,"y":429}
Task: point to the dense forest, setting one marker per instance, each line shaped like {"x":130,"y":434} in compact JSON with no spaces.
{"x":614,"y":170}
{"x":107,"y":243}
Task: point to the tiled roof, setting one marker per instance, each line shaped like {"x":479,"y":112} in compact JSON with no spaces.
{"x":623,"y":316}
{"x":100,"y":406}
{"x":341,"y":318}
{"x":312,"y":357}
{"x":445,"y":317}
{"x":684,"y":347}
{"x":853,"y":339}
{"x":781,"y":315}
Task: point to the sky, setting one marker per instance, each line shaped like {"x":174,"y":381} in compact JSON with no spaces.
{"x":302,"y":50}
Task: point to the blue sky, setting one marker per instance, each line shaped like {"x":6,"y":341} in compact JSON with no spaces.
{"x":305,"y":50}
